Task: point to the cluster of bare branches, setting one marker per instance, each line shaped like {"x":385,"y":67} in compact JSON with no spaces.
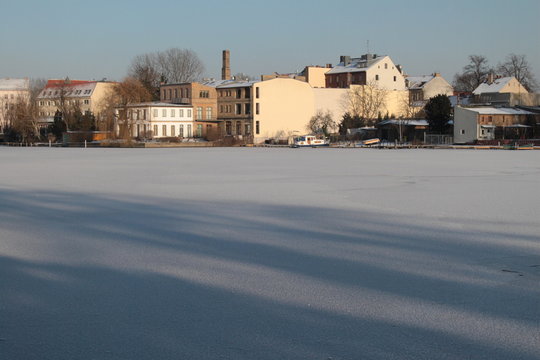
{"x":322,"y":123}
{"x":366,"y":101}
{"x":170,"y":66}
{"x":477,"y":70}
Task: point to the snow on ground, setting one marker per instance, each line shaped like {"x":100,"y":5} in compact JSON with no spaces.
{"x":242,"y":253}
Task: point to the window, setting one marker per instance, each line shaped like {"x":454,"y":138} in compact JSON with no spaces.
{"x":199,"y":112}
{"x":173,"y":131}
{"x":376,"y":77}
{"x":247,"y":129}
{"x":386,"y":66}
{"x":257,"y":92}
{"x":138,"y":130}
{"x":176,"y":93}
{"x":238,"y":109}
{"x":247,"y":93}
{"x":155,"y":113}
{"x":86,"y":101}
{"x":181,"y":112}
{"x":462,"y":131}
{"x":144,"y":116}
{"x":164,"y":112}
{"x":170,"y":93}
{"x":204,"y":94}
{"x":238,"y":128}
{"x":164,"y":130}
{"x":257,"y":128}
{"x":181,"y":130}
{"x":155,"y":130}
{"x":257,"y":110}
{"x":209,"y":113}
{"x":228,"y":128}
{"x":189,"y":131}
{"x":248,"y":109}
{"x":173,"y":113}
{"x":189,"y":113}
{"x":239,"y":93}
{"x":395,"y":78}
{"x":199,"y":130}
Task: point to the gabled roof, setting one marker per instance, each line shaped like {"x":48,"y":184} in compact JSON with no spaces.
{"x":73,"y":88}
{"x":496,"y":86}
{"x":418,"y":82}
{"x":356,"y":65}
{"x":14,"y":84}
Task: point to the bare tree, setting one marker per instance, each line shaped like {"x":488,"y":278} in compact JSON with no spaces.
{"x":23,"y":119}
{"x":322,"y":122}
{"x":170,"y":66}
{"x":518,"y":67}
{"x":129,"y":91}
{"x":366,"y":101}
{"x":473,"y":74}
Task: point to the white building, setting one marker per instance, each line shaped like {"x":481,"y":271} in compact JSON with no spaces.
{"x":424,"y":87}
{"x":11,"y":90}
{"x":369,"y":69}
{"x":157,"y":120}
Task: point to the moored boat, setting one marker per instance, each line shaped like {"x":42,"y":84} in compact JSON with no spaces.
{"x":310,"y":141}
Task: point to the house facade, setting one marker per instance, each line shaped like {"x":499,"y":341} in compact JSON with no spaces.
{"x":503,"y":91}
{"x":202,"y":98}
{"x":11,"y":91}
{"x":155,"y":120}
{"x":86,"y":96}
{"x":369,"y":69}
{"x":493,"y":123}
{"x":424,"y":87}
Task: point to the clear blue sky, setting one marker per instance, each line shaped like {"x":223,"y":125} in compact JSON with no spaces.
{"x":96,"y":39}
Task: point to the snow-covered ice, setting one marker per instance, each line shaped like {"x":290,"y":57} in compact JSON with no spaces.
{"x":243,"y":253}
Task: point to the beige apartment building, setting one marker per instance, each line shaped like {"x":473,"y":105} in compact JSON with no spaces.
{"x":88,"y":96}
{"x":11,"y":90}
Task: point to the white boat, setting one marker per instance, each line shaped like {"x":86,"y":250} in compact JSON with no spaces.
{"x":310,"y":141}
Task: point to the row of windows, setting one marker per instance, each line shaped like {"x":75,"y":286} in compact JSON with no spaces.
{"x":12,"y":96}
{"x":238,"y":128}
{"x":67,"y":93}
{"x":167,"y":94}
{"x":68,"y":102}
{"x":200,"y":113}
{"x":228,"y":109}
{"x":236,"y":93}
{"x":168,"y":130}
{"x":172,"y":113}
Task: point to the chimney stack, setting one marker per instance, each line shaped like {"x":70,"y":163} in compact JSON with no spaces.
{"x":226,"y":69}
{"x":491,"y":78}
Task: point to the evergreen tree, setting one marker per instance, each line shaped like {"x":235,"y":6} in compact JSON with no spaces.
{"x":350,"y":122}
{"x":438,"y":110}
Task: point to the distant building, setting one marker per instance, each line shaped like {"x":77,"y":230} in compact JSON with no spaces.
{"x":505,"y":91}
{"x":422,"y":88}
{"x":87,"y":96}
{"x":11,"y":90}
{"x":202,"y":98}
{"x":313,"y":75}
{"x":155,"y":120}
{"x":369,"y":69}
{"x":493,"y":123}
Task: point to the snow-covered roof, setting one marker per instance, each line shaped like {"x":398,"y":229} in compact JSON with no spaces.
{"x":82,"y":89}
{"x":496,"y":86}
{"x":157,"y":104}
{"x":498,"y":111}
{"x":404,"y":122}
{"x":356,"y":65}
{"x":9,"y":84}
{"x":228,"y":83}
{"x":418,"y":82}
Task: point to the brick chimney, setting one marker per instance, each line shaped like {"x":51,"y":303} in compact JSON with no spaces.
{"x":490,"y":78}
{"x":226,"y":69}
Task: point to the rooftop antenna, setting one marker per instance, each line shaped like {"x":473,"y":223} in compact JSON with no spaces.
{"x":368,"y":46}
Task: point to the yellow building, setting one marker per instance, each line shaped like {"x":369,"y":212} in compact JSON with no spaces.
{"x":86,"y":96}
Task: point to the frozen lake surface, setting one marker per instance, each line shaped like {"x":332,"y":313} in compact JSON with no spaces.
{"x":242,"y":253}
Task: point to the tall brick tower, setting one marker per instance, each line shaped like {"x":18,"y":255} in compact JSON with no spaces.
{"x":226,"y":69}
